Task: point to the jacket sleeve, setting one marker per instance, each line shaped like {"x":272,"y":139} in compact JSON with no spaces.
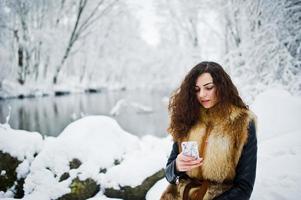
{"x":171,"y":172}
{"x":245,"y":171}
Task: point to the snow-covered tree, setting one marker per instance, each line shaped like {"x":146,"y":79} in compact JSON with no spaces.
{"x":85,"y":17}
{"x":41,"y":35}
{"x":261,"y":43}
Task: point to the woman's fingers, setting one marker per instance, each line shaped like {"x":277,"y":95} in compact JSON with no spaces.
{"x":192,"y":163}
{"x":186,"y":163}
{"x":185,"y":158}
{"x":188,"y":168}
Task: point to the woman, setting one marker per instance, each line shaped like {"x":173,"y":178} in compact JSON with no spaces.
{"x":207,"y":109}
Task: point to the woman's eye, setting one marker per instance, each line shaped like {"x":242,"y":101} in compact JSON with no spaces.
{"x":209,"y":88}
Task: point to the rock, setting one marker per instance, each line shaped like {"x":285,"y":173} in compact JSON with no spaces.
{"x":64,"y":176}
{"x":135,"y":193}
{"x":18,"y":149}
{"x":93,"y":90}
{"x":81,"y":190}
{"x":103,"y":170}
{"x":19,"y":192}
{"x":117,"y":162}
{"x":8,"y":165}
{"x":75,"y":163}
{"x":61,"y":93}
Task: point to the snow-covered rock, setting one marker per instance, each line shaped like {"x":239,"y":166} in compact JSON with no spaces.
{"x":110,"y":156}
{"x":17,"y":151}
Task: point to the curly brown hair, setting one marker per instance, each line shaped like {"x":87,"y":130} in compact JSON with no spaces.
{"x":184,"y":108}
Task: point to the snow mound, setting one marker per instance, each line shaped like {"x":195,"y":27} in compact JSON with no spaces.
{"x":278,"y":112}
{"x":23,"y":146}
{"x":109,"y":155}
{"x":18,"y":143}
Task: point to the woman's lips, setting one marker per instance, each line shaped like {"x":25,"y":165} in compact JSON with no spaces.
{"x":205,"y":101}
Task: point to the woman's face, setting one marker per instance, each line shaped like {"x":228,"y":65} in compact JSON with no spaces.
{"x":206,"y":90}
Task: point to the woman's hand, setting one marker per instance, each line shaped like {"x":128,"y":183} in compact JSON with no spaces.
{"x":186,"y":163}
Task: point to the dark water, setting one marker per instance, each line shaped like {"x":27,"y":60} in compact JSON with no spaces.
{"x":50,"y":115}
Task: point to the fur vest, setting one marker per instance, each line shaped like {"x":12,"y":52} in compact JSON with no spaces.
{"x":226,"y":135}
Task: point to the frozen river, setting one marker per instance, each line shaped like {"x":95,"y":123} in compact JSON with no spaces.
{"x":140,"y":113}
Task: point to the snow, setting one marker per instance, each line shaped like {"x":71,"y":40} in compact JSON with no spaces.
{"x":278,"y":113}
{"x":12,"y":89}
{"x":18,"y":143}
{"x":22,"y":145}
{"x":279,"y":149}
{"x":95,"y":140}
{"x":146,"y":14}
{"x":139,"y":108}
{"x":98,"y":141}
{"x":149,"y":158}
{"x":116,"y":109}
{"x":279,"y":165}
{"x":156,"y":191}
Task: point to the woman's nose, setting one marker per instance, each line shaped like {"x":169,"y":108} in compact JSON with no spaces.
{"x":202,"y":93}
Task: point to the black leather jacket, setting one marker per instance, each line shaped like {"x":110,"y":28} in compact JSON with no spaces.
{"x":245,"y":171}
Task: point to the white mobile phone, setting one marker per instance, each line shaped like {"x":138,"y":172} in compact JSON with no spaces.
{"x":190,"y":148}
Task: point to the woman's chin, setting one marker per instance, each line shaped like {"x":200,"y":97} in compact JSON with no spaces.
{"x":206,"y":105}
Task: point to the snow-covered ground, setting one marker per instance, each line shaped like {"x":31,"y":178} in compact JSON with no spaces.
{"x":279,"y":153}
{"x":98,"y":141}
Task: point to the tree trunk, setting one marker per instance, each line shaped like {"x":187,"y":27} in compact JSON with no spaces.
{"x":73,"y":37}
